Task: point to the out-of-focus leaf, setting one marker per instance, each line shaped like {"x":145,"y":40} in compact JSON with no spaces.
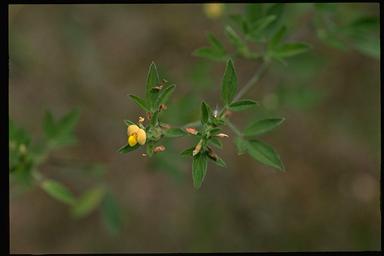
{"x":111,"y":213}
{"x":215,"y":43}
{"x":235,"y":39}
{"x":242,"y":105}
{"x":210,"y":53}
{"x":229,"y":83}
{"x":199,"y":169}
{"x":89,"y":201}
{"x":262,"y":126}
{"x":241,"y":145}
{"x":264,"y":154}
{"x":289,"y":50}
{"x":58,"y":191}
{"x":277,"y":38}
{"x":155,"y":118}
{"x":174,"y":132}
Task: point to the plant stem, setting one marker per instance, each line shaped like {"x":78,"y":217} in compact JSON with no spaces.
{"x":256,"y":77}
{"x":233,"y":128}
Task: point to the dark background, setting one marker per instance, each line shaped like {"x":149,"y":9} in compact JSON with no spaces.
{"x":92,"y":56}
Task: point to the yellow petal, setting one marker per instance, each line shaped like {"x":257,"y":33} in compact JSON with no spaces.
{"x":132,"y":129}
{"x":141,"y":136}
{"x":132,"y":140}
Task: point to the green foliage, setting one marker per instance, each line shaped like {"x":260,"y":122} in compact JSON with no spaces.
{"x":58,"y":191}
{"x":262,"y":126}
{"x":174,"y":132}
{"x":88,"y":202}
{"x":242,"y":105}
{"x":229,"y":83}
{"x":361,"y":33}
{"x":26,"y":156}
{"x":199,"y":169}
{"x":264,"y":153}
{"x":140,"y":102}
{"x":111,"y":213}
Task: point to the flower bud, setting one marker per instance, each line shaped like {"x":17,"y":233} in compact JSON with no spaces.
{"x":222,"y":135}
{"x":160,"y":148}
{"x":191,"y":130}
{"x":197,"y":148}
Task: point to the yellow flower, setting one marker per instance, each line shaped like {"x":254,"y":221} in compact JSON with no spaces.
{"x":136,"y":135}
{"x":213,"y":10}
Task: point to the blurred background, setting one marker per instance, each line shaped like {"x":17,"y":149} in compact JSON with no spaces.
{"x":93,"y":56}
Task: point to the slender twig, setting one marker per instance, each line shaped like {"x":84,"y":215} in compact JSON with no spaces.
{"x":233,"y":128}
{"x":256,"y":77}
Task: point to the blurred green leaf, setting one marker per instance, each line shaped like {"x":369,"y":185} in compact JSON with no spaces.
{"x":199,"y":169}
{"x":58,"y":191}
{"x":242,"y":105}
{"x":262,"y":126}
{"x":89,"y":201}
{"x":174,"y":132}
{"x":264,"y":153}
{"x":229,"y":83}
{"x":277,"y":38}
{"x":155,"y":118}
{"x":111,"y":213}
{"x":140,"y":102}
{"x":289,"y":50}
{"x":241,"y":145}
{"x":210,"y":53}
{"x":235,"y":39}
{"x":215,"y":43}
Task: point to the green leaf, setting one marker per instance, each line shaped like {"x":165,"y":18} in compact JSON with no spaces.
{"x":277,"y":38}
{"x":242,"y":105}
{"x":155,"y":118}
{"x":253,"y":12}
{"x":174,"y":132}
{"x":126,"y":148}
{"x":210,"y":53}
{"x":111,"y":213}
{"x":241,"y":145}
{"x":199,"y":169}
{"x":261,"y":24}
{"x":229,"y":83}
{"x":89,"y":201}
{"x":58,"y":191}
{"x":65,"y":125}
{"x":235,"y":39}
{"x":215,"y":142}
{"x":187,"y":152}
{"x":128,"y":122}
{"x":265,"y":154}
{"x":262,"y":126}
{"x":216,"y":44}
{"x":140,"y":102}
{"x":204,"y":113}
{"x":290,"y":49}
{"x":152,"y":80}
{"x":49,"y":127}
{"x":164,"y":95}
{"x":220,"y":162}
{"x":149,"y":149}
